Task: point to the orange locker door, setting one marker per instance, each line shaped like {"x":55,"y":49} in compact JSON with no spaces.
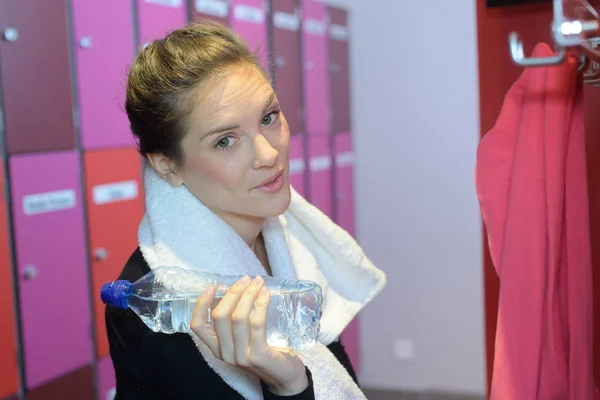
{"x":9,"y":383}
{"x":114,"y":210}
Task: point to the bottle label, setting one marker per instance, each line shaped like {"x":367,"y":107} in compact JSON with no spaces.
{"x":249,"y":14}
{"x":113,"y":192}
{"x":344,"y":159}
{"x":168,"y":3}
{"x":215,"y":8}
{"x":46,"y":202}
{"x":320,"y":163}
{"x":287,"y":21}
{"x":297,"y":166}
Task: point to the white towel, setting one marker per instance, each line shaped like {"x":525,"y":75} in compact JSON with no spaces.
{"x":303,"y":243}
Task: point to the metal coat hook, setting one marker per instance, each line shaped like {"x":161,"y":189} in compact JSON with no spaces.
{"x":516,"y":51}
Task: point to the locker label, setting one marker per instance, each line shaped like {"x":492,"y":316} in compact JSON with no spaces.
{"x":46,"y":202}
{"x":246,"y":13}
{"x":338,"y":32}
{"x":315,"y":27}
{"x":287,"y":21}
{"x":215,"y":8}
{"x":297,"y":166}
{"x":168,"y":3}
{"x":344,"y":159}
{"x":113,"y":192}
{"x":111,"y":394}
{"x":320,"y":163}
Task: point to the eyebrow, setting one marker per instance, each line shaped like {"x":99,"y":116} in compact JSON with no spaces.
{"x":236,"y":126}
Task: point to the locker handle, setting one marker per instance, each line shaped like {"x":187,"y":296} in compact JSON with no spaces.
{"x":101,"y":254}
{"x":11,"y":34}
{"x":30,"y":272}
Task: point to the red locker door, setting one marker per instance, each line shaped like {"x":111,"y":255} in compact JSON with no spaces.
{"x":35,"y":76}
{"x":9,"y":384}
{"x":286,"y":48}
{"x":115,"y":207}
{"x":75,"y":385}
{"x":338,"y":69}
{"x":51,"y":265}
{"x":216,"y":10}
{"x":110,"y":50}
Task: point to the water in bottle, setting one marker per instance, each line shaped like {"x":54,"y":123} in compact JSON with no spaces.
{"x":164,"y":299}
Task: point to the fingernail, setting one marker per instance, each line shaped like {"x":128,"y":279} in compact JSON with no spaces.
{"x":209,"y":289}
{"x":245,"y":279}
{"x":264,"y":291}
{"x":258,"y":280}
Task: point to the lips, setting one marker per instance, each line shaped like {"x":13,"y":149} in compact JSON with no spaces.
{"x":272,"y":179}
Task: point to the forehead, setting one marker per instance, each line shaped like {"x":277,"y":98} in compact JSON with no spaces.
{"x":236,"y":91}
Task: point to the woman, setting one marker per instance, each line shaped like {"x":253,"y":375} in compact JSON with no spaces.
{"x":216,"y":142}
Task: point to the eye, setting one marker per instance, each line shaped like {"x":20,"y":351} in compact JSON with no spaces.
{"x":225,"y":142}
{"x":270,"y":118}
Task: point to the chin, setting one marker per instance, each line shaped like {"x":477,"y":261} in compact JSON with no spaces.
{"x":277,"y":203}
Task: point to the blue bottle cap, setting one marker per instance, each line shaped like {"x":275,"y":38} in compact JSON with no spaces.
{"x":116,"y":294}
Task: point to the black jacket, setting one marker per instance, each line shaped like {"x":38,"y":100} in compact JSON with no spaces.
{"x":153,"y":366}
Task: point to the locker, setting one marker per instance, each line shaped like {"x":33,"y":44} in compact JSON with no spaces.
{"x":156,"y":18}
{"x":75,"y":385}
{"x":297,"y":164}
{"x":216,"y":10}
{"x":115,"y":207}
{"x":315,"y":68}
{"x":339,"y":69}
{"x":350,"y":340}
{"x":51,"y":265}
{"x":9,"y":368}
{"x":102,"y":95}
{"x":106,"y":379}
{"x":344,"y":191}
{"x":320,"y":171}
{"x":35,"y":75}
{"x":248,"y":19}
{"x":287,"y":73}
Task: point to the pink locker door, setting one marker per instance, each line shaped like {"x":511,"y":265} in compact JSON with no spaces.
{"x":156,"y":18}
{"x":51,"y":261}
{"x":286,"y":49}
{"x":344,"y":198}
{"x":106,"y":379}
{"x":320,"y":168}
{"x":297,"y":164}
{"x":216,"y":10}
{"x":35,"y":76}
{"x":248,"y":19}
{"x":339,"y":69}
{"x":316,"y":68}
{"x":104,"y":42}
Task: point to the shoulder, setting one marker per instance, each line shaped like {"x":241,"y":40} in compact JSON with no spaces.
{"x":135,"y":268}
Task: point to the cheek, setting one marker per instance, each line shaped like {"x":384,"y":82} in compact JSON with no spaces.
{"x":218,"y":169}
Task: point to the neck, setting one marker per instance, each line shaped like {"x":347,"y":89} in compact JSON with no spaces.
{"x":248,"y":228}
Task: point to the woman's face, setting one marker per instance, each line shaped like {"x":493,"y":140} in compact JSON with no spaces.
{"x":237,"y":147}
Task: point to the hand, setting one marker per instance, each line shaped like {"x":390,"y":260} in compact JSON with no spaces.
{"x":240,"y":339}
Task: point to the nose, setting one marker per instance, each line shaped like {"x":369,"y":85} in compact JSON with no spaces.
{"x":266,"y":154}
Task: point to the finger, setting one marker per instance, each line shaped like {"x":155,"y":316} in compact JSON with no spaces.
{"x":258,"y":322}
{"x":241,"y":320}
{"x":200,"y":324}
{"x":221,"y":317}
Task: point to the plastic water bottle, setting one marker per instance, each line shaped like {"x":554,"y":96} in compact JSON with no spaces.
{"x":164,"y":299}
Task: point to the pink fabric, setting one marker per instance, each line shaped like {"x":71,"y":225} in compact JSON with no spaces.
{"x":532,"y":188}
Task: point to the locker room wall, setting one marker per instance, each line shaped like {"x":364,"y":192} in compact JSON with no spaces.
{"x":72,"y":192}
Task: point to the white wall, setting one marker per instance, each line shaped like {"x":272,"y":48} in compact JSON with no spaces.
{"x":416,"y":123}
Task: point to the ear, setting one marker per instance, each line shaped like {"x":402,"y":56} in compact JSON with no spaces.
{"x":166,"y":168}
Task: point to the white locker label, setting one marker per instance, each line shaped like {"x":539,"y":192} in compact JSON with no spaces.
{"x":344,"y":159}
{"x":315,"y":27}
{"x":320,"y":163}
{"x":287,"y":21}
{"x":297,"y":166}
{"x":42,"y":203}
{"x":113,"y":192}
{"x":111,"y":394}
{"x":246,"y":13}
{"x":168,"y":3}
{"x":338,"y":32}
{"x":215,"y":8}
